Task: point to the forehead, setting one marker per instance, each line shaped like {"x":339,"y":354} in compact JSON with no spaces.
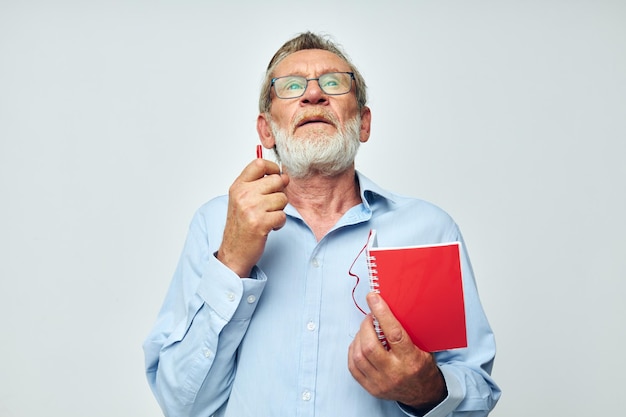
{"x":311,"y":62}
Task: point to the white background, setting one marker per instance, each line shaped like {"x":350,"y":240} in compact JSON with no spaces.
{"x":119,"y":118}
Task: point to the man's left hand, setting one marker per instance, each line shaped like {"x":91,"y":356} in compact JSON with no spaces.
{"x":404,"y":373}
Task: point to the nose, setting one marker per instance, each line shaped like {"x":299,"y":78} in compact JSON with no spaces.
{"x":313,"y":93}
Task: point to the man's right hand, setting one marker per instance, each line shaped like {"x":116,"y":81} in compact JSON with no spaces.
{"x":255,"y":207}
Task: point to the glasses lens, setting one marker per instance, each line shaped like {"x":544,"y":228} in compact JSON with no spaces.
{"x":293,"y":86}
{"x":335,"y":82}
{"x":290,"y":86}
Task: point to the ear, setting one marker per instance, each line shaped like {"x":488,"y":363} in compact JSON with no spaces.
{"x":366,"y":121}
{"x":264,"y":130}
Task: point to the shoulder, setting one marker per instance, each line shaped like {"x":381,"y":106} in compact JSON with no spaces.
{"x":423,"y":207}
{"x":408,"y":215}
{"x":374,"y":195}
{"x":213,"y":206}
{"x":425,"y":216}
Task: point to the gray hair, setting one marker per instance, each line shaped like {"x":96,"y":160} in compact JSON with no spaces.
{"x":308,"y":40}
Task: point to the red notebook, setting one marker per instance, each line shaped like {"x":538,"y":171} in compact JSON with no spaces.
{"x":422,"y":285}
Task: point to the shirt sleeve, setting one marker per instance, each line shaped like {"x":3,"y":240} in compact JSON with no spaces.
{"x":206,"y":304}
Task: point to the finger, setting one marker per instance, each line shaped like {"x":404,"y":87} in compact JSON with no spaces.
{"x":258,"y":168}
{"x":358,"y":364}
{"x":251,"y":199}
{"x":270,"y":184}
{"x":395,"y":334}
{"x":260,"y":220}
{"x":368,"y":333}
{"x":277,"y":219}
{"x":370,"y":350}
{"x":274,"y":202}
{"x":366,"y":359}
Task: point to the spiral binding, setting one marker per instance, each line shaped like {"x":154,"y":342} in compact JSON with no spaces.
{"x":375,"y":287}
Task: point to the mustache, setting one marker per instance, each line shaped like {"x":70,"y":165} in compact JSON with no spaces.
{"x":317,"y":114}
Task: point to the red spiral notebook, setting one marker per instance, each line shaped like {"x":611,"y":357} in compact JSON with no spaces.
{"x":422,"y":285}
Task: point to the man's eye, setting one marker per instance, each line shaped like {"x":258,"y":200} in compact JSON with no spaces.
{"x":331,"y":82}
{"x":294,"y":86}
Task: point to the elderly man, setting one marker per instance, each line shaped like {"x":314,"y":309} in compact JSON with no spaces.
{"x":262,"y":317}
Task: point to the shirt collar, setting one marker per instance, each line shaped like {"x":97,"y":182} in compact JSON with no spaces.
{"x":371,"y":192}
{"x":372,"y":196}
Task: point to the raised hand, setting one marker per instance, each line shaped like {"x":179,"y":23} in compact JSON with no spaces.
{"x":255,"y":207}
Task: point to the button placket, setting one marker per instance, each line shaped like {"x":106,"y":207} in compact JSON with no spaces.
{"x":310,"y":330}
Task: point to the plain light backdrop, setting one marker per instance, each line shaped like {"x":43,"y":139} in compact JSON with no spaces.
{"x":118,"y":119}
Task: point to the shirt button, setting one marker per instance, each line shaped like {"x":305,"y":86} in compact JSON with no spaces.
{"x":306,"y":395}
{"x":230,"y":296}
{"x":251,"y":299}
{"x":207,"y":353}
{"x":315,"y":263}
{"x":310,"y":326}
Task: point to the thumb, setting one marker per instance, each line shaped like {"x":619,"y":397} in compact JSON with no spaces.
{"x":395,"y":334}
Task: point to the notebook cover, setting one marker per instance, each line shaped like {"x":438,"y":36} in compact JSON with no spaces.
{"x":422,"y":285}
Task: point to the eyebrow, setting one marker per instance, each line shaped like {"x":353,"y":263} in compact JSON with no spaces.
{"x":302,"y":74}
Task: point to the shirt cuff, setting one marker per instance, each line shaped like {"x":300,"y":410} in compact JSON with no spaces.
{"x":228,"y":295}
{"x":456,"y":393}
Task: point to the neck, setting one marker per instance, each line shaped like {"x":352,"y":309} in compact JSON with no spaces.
{"x":322,"y":200}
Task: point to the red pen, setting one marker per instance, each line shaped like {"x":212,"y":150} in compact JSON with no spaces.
{"x":259,"y":154}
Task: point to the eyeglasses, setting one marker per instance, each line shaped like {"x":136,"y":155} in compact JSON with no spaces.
{"x":331,"y":83}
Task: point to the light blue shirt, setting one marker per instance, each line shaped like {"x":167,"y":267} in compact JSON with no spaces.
{"x":276,"y":344}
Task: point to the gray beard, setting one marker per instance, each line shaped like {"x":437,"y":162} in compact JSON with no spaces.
{"x":327,"y":155}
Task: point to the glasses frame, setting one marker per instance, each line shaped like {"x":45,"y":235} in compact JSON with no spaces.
{"x":352,"y":80}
